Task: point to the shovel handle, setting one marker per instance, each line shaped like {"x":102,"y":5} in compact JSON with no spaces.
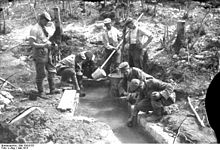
{"x":111,"y":54}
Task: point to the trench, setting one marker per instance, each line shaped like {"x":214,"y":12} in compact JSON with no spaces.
{"x":101,"y":106}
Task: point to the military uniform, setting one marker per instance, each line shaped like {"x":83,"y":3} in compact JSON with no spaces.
{"x":135,"y":38}
{"x":67,"y":68}
{"x":110,"y":41}
{"x":137,"y":73}
{"x":148,"y":101}
{"x":146,"y":98}
{"x":42,"y":58}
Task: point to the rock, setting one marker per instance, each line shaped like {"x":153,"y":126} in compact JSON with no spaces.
{"x":4,"y":100}
{"x":7,"y":95}
{"x":175,"y":56}
{"x":171,"y":109}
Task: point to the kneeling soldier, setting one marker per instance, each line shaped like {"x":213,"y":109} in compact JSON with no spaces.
{"x":153,"y":96}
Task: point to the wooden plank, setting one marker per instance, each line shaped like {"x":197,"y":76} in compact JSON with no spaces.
{"x":76,"y":102}
{"x":67,"y":100}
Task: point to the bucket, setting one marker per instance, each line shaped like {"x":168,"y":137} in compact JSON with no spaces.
{"x":99,"y":73}
{"x":114,"y":81}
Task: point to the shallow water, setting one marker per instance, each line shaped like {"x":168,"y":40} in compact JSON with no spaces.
{"x":101,"y":106}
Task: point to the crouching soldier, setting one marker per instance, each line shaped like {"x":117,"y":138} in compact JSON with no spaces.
{"x":154,"y":95}
{"x":130,"y":73}
{"x":88,"y":66}
{"x":70,"y":69}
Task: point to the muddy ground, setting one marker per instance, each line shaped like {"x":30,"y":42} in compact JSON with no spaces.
{"x":190,"y":72}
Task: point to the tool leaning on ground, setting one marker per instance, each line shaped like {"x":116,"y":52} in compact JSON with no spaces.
{"x":99,"y":72}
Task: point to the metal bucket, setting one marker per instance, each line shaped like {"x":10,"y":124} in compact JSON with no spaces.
{"x":114,"y":81}
{"x":99,"y":73}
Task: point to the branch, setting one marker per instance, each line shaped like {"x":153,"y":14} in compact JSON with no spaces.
{"x":178,"y":130}
{"x":194,"y":111}
{"x":197,"y":37}
{"x":5,"y":81}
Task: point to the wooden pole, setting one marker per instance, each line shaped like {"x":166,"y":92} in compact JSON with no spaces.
{"x":196,"y":114}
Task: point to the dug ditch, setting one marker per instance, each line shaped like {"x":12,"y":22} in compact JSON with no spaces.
{"x":100,"y":105}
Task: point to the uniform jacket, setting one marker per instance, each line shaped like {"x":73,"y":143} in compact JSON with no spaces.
{"x":135,"y":73}
{"x":152,"y":85}
{"x":37,"y":33}
{"x":68,"y":62}
{"x":110,"y":38}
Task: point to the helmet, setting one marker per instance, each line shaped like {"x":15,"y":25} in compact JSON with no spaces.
{"x":107,"y":20}
{"x":135,"y":83}
{"x":123,"y":65}
{"x":89,"y":55}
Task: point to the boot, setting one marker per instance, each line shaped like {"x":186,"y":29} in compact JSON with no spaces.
{"x":40,"y":89}
{"x":52,"y":86}
{"x":40,"y":86}
{"x":130,"y":122}
{"x":155,"y":116}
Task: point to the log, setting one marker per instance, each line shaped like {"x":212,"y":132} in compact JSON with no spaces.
{"x":24,"y":114}
{"x":5,"y":81}
{"x":67,"y":101}
{"x":196,"y":114}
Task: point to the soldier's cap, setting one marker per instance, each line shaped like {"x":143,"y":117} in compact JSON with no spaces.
{"x":107,"y":20}
{"x":82,"y":55}
{"x":134,"y":85}
{"x":128,"y":21}
{"x":123,"y":65}
{"x":45,"y":15}
{"x":89,"y":55}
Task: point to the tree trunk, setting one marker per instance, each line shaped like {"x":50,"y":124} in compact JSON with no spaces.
{"x":4,"y":24}
{"x":70,"y":7}
{"x":63,"y":4}
{"x":142,"y":4}
{"x":180,"y":39}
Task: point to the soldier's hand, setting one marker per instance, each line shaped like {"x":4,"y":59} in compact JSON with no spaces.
{"x":48,"y":44}
{"x":156,"y":95}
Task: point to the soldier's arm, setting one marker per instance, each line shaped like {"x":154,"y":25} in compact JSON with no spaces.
{"x":33,"y":38}
{"x":106,"y":42}
{"x":168,"y":88}
{"x":143,"y":32}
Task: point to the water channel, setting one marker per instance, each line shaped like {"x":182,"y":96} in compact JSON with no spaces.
{"x":98,"y":104}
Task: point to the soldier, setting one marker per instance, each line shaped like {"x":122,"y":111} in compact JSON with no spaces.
{"x":69,"y":69}
{"x":136,"y":47}
{"x":130,"y":73}
{"x":111,"y":37}
{"x":42,"y":55}
{"x":89,"y":66}
{"x":154,"y":95}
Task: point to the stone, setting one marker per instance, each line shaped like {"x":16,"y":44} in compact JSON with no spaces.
{"x":4,"y":100}
{"x":7,"y":95}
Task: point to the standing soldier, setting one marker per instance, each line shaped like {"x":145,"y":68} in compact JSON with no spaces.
{"x":136,"y":47}
{"x":130,"y":73}
{"x":42,"y":55}
{"x":111,"y":39}
{"x":154,"y":95}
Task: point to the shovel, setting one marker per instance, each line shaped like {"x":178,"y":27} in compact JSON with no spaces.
{"x":99,"y":72}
